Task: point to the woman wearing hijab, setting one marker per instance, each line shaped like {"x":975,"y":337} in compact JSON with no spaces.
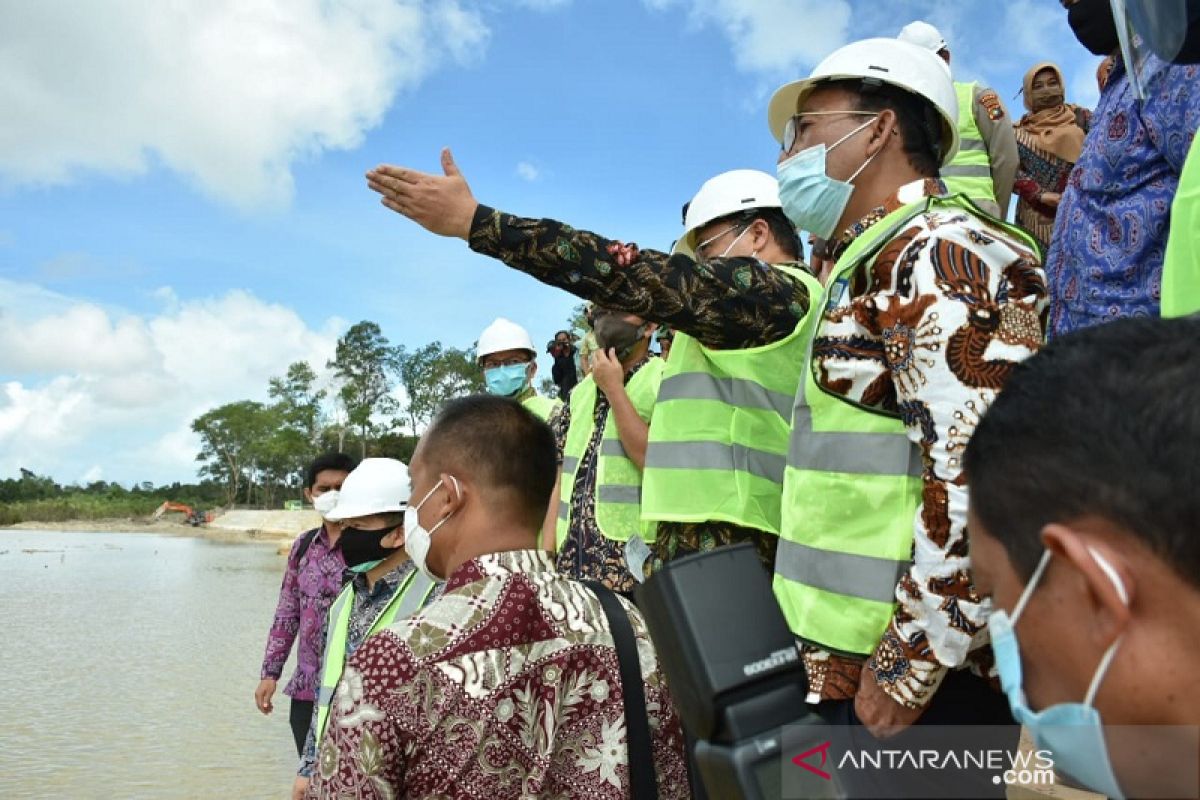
{"x":1049,"y":140}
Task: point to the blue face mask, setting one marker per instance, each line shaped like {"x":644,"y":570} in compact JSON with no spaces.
{"x":1071,"y":731}
{"x":812,"y":200}
{"x":505,"y":381}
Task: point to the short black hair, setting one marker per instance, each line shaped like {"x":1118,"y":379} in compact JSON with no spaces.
{"x":502,"y":445}
{"x":919,"y":122}
{"x":1105,"y":422}
{"x":782,"y":229}
{"x":338,"y":462}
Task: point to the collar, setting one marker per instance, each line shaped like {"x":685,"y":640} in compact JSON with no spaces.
{"x":629,"y":373}
{"x":524,"y":394}
{"x":358,"y":576}
{"x":505,"y":564}
{"x":908,"y":193}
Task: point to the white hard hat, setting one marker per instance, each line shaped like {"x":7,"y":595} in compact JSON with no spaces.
{"x":504,"y":335}
{"x":725,"y":194}
{"x":376,"y":486}
{"x":878,"y":61}
{"x":922,"y":34}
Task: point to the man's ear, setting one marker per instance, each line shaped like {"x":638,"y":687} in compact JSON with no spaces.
{"x":308,"y":498}
{"x":883,"y":129}
{"x":760,"y":234}
{"x":456,"y":494}
{"x":531,"y":370}
{"x":651,"y":327}
{"x":1107,"y":593}
{"x":395,"y":538}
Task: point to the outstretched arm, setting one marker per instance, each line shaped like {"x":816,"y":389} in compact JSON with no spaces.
{"x":724,"y":303}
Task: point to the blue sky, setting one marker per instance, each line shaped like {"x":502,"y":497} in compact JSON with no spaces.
{"x":183,"y":212}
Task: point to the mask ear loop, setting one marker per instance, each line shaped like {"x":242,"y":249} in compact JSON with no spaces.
{"x":1111,"y":652}
{"x":1034,"y":579}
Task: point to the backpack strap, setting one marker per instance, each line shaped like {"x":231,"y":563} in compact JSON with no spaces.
{"x":305,"y":543}
{"x":643,"y":784}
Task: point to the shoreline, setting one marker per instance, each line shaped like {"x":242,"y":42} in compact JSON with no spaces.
{"x":161,"y":527}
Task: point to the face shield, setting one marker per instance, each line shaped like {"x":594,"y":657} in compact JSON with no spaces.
{"x":1160,"y":27}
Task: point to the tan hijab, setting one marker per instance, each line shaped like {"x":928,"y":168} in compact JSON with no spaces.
{"x":1053,"y":130}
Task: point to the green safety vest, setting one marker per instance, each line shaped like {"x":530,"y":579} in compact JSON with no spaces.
{"x":852,"y":485}
{"x":543,"y":407}
{"x":1181,"y":265}
{"x":410,"y":596}
{"x":970,"y":171}
{"x":618,"y":480}
{"x":719,"y":435}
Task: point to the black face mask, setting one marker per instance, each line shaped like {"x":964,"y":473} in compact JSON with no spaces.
{"x":1092,"y":23}
{"x":612,"y":331}
{"x":360,"y":546}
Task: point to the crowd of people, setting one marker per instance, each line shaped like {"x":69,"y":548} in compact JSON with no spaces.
{"x":942,"y":432}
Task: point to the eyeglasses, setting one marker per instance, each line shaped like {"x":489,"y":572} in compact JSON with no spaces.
{"x":507,"y":362}
{"x":790,"y":128}
{"x":699,"y":249}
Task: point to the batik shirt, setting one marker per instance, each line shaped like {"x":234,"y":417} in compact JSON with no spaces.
{"x":586,"y":553}
{"x":1106,"y":254}
{"x":309,"y":588}
{"x":507,"y":686}
{"x":935,"y":328}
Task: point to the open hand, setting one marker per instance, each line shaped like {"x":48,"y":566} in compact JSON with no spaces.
{"x":442,"y":204}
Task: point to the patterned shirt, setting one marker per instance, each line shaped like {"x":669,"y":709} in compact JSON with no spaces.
{"x":1106,"y":253}
{"x":936,"y":326}
{"x":587,"y":554}
{"x":508,"y":685}
{"x":309,"y":587}
{"x":368,"y":604}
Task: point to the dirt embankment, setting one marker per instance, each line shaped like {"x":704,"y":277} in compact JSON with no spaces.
{"x":269,"y":527}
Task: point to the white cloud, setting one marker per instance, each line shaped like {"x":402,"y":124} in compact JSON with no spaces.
{"x":96,"y":388}
{"x":527,"y":171}
{"x":777,"y":37}
{"x":227,"y":92}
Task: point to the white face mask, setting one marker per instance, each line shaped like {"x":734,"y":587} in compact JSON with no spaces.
{"x":416,"y":538}
{"x":324,"y":503}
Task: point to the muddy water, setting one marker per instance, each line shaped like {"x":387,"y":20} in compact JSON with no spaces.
{"x":128,"y":664}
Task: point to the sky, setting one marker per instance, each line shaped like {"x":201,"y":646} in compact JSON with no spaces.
{"x":183,"y":211}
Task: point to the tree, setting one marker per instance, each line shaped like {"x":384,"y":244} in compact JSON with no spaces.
{"x":299,"y":399}
{"x":298,"y":409}
{"x":365,"y":363}
{"x":229,"y":436}
{"x":432,"y":375}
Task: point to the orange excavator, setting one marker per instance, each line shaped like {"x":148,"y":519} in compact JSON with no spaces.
{"x":192,"y":516}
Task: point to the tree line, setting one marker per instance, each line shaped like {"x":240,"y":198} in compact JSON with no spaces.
{"x":257,"y":451}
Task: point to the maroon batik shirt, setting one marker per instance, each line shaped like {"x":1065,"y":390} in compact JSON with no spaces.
{"x":506,"y":686}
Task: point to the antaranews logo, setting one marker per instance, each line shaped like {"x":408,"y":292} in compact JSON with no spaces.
{"x":1008,"y":767}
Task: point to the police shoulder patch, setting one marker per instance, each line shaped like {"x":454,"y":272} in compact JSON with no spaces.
{"x":990,"y":102}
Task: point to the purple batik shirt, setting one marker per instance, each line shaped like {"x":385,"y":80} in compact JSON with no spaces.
{"x":309,"y":588}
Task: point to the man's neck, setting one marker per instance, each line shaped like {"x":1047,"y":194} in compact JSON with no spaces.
{"x":384,"y":567}
{"x":333,"y":532}
{"x":873,"y":193}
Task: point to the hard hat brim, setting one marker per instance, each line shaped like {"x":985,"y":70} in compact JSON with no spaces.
{"x":344,"y":511}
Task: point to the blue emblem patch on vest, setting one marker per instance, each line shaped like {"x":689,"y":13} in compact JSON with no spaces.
{"x":836,"y":293}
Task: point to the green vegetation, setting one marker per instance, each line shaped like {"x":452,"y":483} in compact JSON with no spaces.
{"x":34,"y":498}
{"x":255,"y":454}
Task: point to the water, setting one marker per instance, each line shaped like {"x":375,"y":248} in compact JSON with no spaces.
{"x":129,"y":663}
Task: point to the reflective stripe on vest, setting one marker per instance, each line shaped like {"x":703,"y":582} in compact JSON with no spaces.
{"x":542,"y":407}
{"x":719,"y":437}
{"x":411,"y":595}
{"x":852,"y":486}
{"x":970,"y":171}
{"x":618,"y":480}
